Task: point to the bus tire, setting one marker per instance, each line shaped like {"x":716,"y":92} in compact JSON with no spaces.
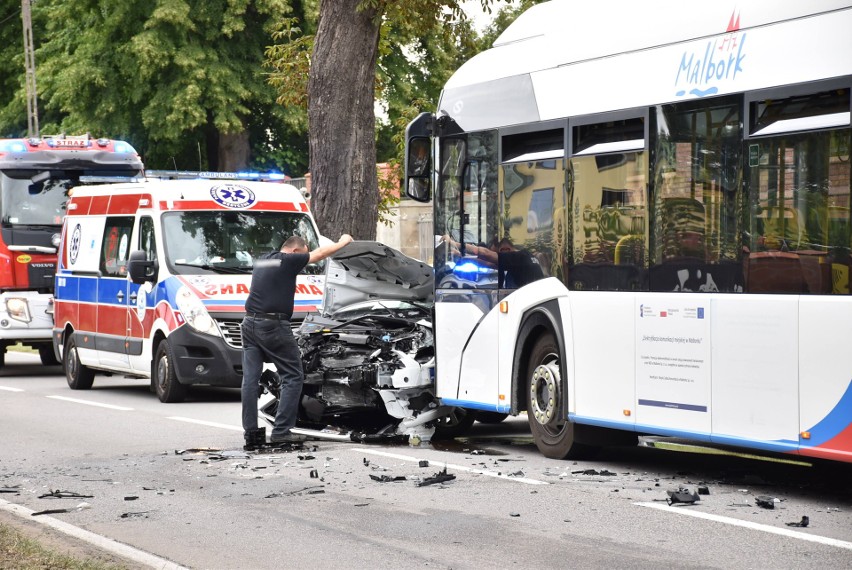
{"x":552,"y":432}
{"x":78,"y":375}
{"x":47,"y":356}
{"x":169,"y":389}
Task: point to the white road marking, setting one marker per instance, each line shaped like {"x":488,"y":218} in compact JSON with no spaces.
{"x":89,"y":403}
{"x":203,"y":423}
{"x":8,"y":389}
{"x":751,"y":525}
{"x":494,"y":474}
{"x":97,"y":540}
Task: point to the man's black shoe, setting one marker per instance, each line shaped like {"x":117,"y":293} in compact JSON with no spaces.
{"x":254,"y":438}
{"x":288,"y":437}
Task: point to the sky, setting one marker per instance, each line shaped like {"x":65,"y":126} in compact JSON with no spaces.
{"x":473,"y":9}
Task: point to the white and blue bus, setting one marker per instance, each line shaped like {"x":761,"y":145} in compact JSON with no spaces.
{"x":642,"y":213}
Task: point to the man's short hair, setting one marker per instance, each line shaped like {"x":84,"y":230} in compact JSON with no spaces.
{"x":295,"y":242}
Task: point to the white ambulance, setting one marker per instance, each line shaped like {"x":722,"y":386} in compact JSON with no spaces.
{"x":153,"y":276}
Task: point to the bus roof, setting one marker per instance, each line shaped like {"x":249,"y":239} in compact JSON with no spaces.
{"x":564,"y":58}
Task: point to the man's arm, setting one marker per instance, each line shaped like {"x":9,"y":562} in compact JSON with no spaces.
{"x":324,"y":251}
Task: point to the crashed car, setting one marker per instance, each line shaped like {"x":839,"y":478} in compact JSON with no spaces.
{"x":368,"y":356}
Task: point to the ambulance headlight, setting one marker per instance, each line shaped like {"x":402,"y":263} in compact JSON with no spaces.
{"x":195,"y":313}
{"x":18,"y":309}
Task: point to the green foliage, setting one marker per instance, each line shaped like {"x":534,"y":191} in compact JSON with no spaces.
{"x":170,"y":76}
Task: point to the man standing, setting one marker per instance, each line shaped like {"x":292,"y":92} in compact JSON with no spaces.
{"x":267,"y":337}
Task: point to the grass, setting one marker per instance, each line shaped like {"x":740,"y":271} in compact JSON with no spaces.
{"x":23,"y":553}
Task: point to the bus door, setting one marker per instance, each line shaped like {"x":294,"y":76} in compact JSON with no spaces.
{"x":113,"y":293}
{"x":466,"y":212}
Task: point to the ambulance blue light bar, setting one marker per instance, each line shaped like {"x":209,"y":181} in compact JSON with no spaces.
{"x":210,"y":175}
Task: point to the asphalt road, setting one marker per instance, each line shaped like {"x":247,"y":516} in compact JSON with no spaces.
{"x":172,"y":482}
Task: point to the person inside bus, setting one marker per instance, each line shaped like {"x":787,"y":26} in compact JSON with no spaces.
{"x":516,"y":267}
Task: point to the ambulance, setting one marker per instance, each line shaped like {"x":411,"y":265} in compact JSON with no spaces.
{"x":153,"y":276}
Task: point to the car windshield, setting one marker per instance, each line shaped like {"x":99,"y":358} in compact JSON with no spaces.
{"x":225,"y":241}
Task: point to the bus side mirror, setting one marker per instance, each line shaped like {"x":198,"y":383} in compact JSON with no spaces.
{"x":140,"y":268}
{"x":418,"y":158}
{"x":418,"y":169}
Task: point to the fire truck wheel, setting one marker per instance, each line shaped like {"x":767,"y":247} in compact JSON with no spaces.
{"x":169,"y":389}
{"x":78,"y":375}
{"x":48,"y":358}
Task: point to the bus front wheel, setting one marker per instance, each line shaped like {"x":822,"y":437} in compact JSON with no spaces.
{"x":552,"y":432}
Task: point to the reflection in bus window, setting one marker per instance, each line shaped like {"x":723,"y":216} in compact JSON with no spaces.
{"x":799,"y":215}
{"x":696,"y":198}
{"x":609,"y":222}
{"x":466,"y":211}
{"x":532,"y":245}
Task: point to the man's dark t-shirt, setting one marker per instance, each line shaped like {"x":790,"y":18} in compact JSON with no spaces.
{"x":273,"y":283}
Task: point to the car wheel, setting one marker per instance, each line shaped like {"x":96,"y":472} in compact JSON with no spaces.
{"x":48,"y":358}
{"x":552,"y":432}
{"x":457,"y":422}
{"x":78,"y":375}
{"x":169,"y":390}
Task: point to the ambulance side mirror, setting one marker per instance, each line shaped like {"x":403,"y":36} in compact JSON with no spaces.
{"x":140,"y":268}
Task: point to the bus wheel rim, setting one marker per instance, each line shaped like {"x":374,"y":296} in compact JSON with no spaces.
{"x":544,"y":391}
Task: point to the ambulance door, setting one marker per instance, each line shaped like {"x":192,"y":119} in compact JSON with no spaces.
{"x":113,"y":294}
{"x":140,"y":315}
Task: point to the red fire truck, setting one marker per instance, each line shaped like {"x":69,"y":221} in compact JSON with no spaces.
{"x":35,"y":176}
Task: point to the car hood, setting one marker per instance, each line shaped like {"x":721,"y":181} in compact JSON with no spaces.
{"x":365,"y":270}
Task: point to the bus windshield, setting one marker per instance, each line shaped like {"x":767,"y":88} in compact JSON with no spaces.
{"x":219,"y":241}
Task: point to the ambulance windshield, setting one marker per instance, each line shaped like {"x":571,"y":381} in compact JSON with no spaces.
{"x":230,"y":242}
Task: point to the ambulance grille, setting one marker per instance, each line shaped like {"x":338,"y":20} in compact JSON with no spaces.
{"x":230,"y":329}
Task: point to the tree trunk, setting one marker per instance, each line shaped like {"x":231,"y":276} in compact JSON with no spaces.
{"x":233,"y":151}
{"x":342,"y":141}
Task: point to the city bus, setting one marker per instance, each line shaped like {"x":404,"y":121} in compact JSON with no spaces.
{"x":642,"y":219}
{"x":35,"y":177}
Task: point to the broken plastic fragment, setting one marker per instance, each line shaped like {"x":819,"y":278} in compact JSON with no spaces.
{"x":682,"y":495}
{"x":79,"y":507}
{"x":765,"y":501}
{"x":387,"y":478}
{"x":802,"y":523}
{"x":439,"y":477}
{"x":57,"y":494}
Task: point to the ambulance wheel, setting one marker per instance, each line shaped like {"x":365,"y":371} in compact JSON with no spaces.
{"x":48,"y":358}
{"x":169,"y":389}
{"x":78,"y":375}
{"x":552,"y":432}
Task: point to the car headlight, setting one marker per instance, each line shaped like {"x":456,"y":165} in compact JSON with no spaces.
{"x":195,"y":313}
{"x":18,"y":309}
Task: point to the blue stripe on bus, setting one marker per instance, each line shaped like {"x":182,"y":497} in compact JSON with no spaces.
{"x":672,"y":405}
{"x":780,"y":446}
{"x":476,"y":405}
